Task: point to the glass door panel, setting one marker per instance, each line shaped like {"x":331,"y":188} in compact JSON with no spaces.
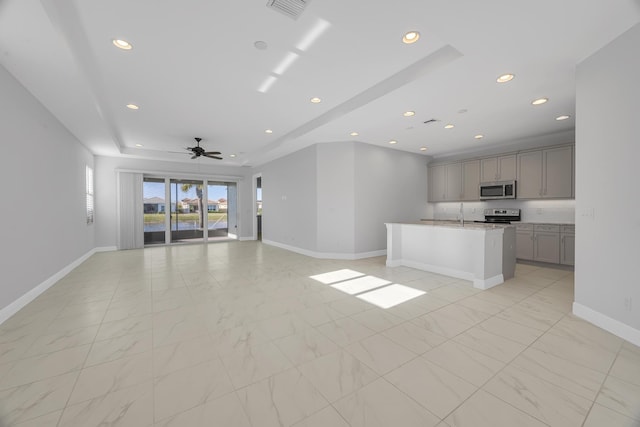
{"x":187,"y":218}
{"x":153,"y":195}
{"x":217,"y":210}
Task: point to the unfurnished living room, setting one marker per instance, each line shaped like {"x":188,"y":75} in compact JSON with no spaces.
{"x":316,"y":213}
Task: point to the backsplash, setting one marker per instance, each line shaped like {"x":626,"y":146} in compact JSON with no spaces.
{"x":548,"y":211}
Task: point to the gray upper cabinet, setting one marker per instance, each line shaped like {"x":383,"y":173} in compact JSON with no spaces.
{"x":545,"y":173}
{"x":500,"y":168}
{"x":453,"y":184}
{"x":445,"y":182}
{"x":558,"y":172}
{"x":540,"y":174}
{"x":471,"y":180}
{"x":437,"y":183}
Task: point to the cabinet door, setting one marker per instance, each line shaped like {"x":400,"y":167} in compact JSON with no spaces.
{"x":489,"y":169}
{"x":558,"y":172}
{"x":471,"y":180}
{"x":453,"y":181}
{"x":524,"y":245}
{"x":529,"y":185}
{"x":568,"y":249}
{"x":546,"y":247}
{"x":507,"y":167}
{"x":436,"y":183}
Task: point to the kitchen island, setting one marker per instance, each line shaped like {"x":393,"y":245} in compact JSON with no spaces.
{"x":479,"y":252}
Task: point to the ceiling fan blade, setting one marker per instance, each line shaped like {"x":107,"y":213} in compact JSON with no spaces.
{"x":194,"y":156}
{"x":210,"y":155}
{"x":212,"y":152}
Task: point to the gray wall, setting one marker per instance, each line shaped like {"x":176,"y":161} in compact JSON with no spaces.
{"x":42,"y":170}
{"x":106,"y":197}
{"x":336,"y":201}
{"x":607,"y":181}
{"x":333,"y":199}
{"x":390,"y":186}
{"x":289,"y":194}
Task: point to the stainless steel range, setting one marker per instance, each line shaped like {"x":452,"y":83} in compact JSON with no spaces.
{"x":501,"y":215}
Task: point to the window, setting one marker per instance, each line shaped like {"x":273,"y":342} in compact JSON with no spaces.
{"x":89,"y":194}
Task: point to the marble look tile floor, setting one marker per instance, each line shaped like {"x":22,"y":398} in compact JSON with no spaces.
{"x":239,"y":334}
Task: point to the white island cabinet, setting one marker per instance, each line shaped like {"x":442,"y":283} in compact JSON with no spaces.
{"x":481,"y":253}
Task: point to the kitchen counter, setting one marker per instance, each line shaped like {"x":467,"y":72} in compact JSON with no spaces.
{"x":456,"y":224}
{"x":479,"y":252}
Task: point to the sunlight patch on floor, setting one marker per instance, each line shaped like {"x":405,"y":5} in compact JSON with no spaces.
{"x":372,"y":289}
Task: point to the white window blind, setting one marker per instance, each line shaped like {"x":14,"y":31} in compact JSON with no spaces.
{"x":89,"y":194}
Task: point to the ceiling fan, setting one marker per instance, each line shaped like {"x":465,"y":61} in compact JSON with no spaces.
{"x":199,"y":151}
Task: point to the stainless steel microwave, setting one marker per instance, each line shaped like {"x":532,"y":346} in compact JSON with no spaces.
{"x":498,"y":190}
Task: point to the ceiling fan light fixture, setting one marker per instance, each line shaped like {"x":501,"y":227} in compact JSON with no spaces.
{"x":122,"y":44}
{"x":410,"y":37}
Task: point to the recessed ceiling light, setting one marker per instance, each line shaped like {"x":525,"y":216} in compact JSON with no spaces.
{"x":423,"y":148}
{"x":560,"y":118}
{"x":409,"y":113}
{"x":410,"y":37}
{"x":393,"y":141}
{"x":122,"y":44}
{"x":449,"y":126}
{"x":316,"y":100}
{"x":232,"y":155}
{"x":260,"y":45}
{"x":133,"y":107}
{"x":354,"y":134}
{"x":268,"y":131}
{"x":479,"y":136}
{"x":539,"y":101}
{"x":505,"y":78}
{"x":139,"y":145}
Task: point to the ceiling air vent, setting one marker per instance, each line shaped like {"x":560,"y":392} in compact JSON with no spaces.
{"x":291,"y":8}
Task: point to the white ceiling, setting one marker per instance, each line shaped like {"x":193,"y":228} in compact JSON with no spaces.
{"x":195,"y":72}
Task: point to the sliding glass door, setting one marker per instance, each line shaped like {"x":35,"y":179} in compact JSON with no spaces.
{"x":188,"y":219}
{"x":188,"y":210}
{"x":155,"y":208}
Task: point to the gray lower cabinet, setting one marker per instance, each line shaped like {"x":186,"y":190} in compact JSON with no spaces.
{"x":542,"y":242}
{"x":567,"y":245}
{"x":546,"y":243}
{"x":524,"y":241}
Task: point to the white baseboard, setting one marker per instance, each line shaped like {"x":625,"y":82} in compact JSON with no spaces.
{"x":614,"y":326}
{"x":326,"y":255}
{"x":32,"y":294}
{"x":458,"y":274}
{"x":244,"y":239}
{"x":105,"y":249}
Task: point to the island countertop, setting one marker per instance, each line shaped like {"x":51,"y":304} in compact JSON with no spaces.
{"x":456,"y":224}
